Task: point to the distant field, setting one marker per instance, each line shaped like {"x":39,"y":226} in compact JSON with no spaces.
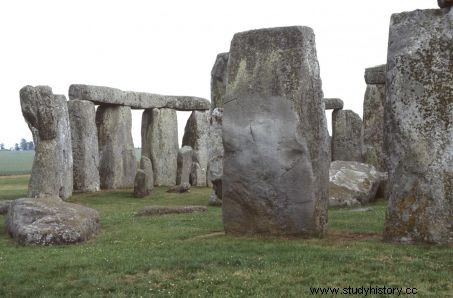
{"x":20,"y":162}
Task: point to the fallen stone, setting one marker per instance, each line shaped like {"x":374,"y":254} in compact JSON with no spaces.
{"x":4,"y":206}
{"x":136,"y":100}
{"x":418,"y":130}
{"x":367,"y":209}
{"x":184,"y":165}
{"x":215,"y":153}
{"x":160,"y":144}
{"x":185,"y":187}
{"x":376,"y":75}
{"x":352,"y":183}
{"x":47,"y":221}
{"x":219,"y":80}
{"x":141,"y":188}
{"x":47,"y":115}
{"x":117,"y":163}
{"x":275,"y":171}
{"x":196,"y":135}
{"x":147,"y":167}
{"x":347,"y":136}
{"x":85,"y":150}
{"x":333,"y":103}
{"x":157,"y":210}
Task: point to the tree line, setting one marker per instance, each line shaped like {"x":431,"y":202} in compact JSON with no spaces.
{"x":23,"y":145}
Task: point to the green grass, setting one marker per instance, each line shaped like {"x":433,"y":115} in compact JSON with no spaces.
{"x":184,"y":255}
{"x":16,"y":162}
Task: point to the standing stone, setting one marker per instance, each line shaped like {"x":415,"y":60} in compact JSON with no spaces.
{"x":276,"y":165}
{"x":418,"y":130}
{"x":215,"y":152}
{"x":117,"y":164}
{"x":218,"y":80}
{"x":141,"y":188}
{"x":184,"y":165}
{"x":147,"y":167}
{"x":196,"y":135}
{"x":347,"y":136}
{"x":85,"y":150}
{"x":47,"y":113}
{"x":160,"y":144}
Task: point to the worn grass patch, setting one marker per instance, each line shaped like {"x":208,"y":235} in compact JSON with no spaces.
{"x":188,"y":255}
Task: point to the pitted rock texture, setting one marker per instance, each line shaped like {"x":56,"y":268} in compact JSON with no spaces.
{"x":347,"y":136}
{"x":137,"y":100}
{"x":85,"y":150}
{"x":48,"y":221}
{"x":418,"y":131}
{"x":333,"y":103}
{"x":376,"y":75}
{"x":276,"y":164}
{"x":47,"y":116}
{"x":184,"y":165}
{"x":353,"y":183}
{"x":196,"y":135}
{"x":215,"y":153}
{"x":117,"y":164}
{"x":218,"y":80}
{"x":160,"y":144}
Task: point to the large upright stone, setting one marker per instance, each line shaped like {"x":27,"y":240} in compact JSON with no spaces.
{"x":160,"y":144}
{"x":196,"y":135}
{"x":215,"y":153}
{"x":85,"y":150}
{"x":418,"y":131}
{"x":117,"y":164}
{"x":184,"y":165}
{"x":276,"y":165}
{"x":218,"y":80}
{"x":373,"y":120}
{"x":47,"y":116}
{"x":347,"y":136}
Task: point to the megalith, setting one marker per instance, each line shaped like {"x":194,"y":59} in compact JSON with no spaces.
{"x":347,"y":136}
{"x":215,"y":153}
{"x":218,"y":80}
{"x":196,"y":135}
{"x":184,"y":165}
{"x":160,"y":144}
{"x":276,"y":164}
{"x":85,"y":150}
{"x":418,"y":129}
{"x":47,"y":116}
{"x":373,"y":117}
{"x":141,"y":188}
{"x":147,"y":167}
{"x":117,"y":163}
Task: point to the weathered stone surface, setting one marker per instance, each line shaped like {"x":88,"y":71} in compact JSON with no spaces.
{"x":445,"y":3}
{"x":184,"y":165}
{"x":376,"y":75}
{"x":47,"y":114}
{"x":185,"y":187}
{"x":46,"y":221}
{"x":4,"y":206}
{"x":215,"y":153}
{"x":353,"y":183}
{"x":218,"y":80}
{"x":85,"y":150}
{"x":418,"y":130}
{"x":141,"y":188}
{"x":347,"y":136}
{"x":196,"y":135}
{"x":333,"y":103}
{"x":214,"y":200}
{"x":137,"y":100}
{"x":117,"y":164}
{"x":276,"y":164}
{"x":160,"y":144}
{"x":373,"y":126}
{"x":147,"y":167}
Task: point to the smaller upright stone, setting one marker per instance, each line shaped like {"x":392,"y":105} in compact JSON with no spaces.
{"x":147,"y":167}
{"x":347,"y":137}
{"x":184,"y":165}
{"x":216,"y":152}
{"x":333,"y":103}
{"x":219,"y":80}
{"x":376,"y":75}
{"x":141,"y":188}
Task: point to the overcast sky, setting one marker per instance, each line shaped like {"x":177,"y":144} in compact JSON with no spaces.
{"x":169,"y":47}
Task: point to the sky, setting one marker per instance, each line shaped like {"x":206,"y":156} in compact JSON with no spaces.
{"x":169,"y":47}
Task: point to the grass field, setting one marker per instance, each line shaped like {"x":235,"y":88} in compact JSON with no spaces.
{"x":187,"y":255}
